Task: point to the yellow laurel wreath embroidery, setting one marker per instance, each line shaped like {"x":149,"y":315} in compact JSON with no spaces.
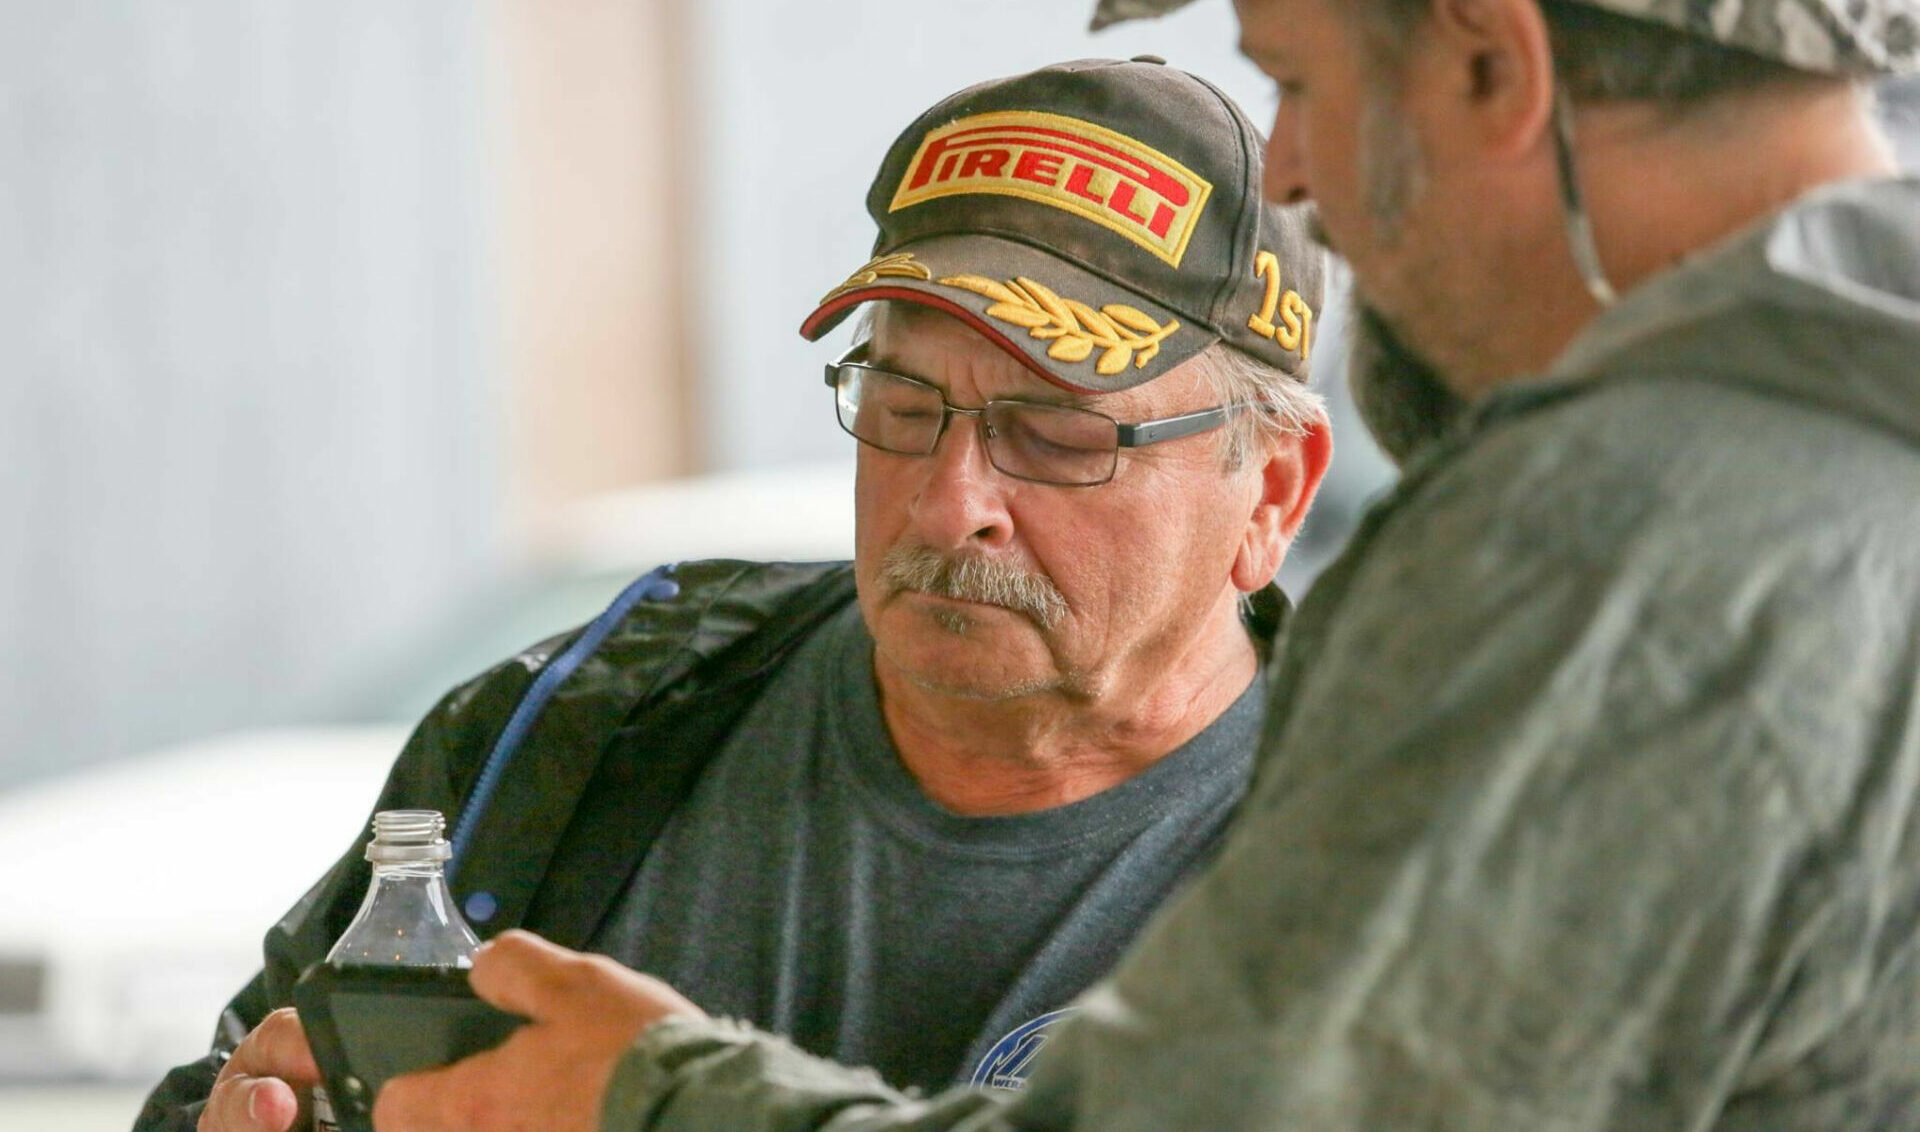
{"x":1123,"y":333}
{"x":900,"y":264}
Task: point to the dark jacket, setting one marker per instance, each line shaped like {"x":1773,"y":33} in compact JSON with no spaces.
{"x":608,"y":760}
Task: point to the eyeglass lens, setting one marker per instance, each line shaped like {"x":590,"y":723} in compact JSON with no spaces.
{"x":1049,"y":443}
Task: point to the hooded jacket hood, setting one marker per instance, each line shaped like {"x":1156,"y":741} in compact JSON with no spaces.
{"x":1820,"y":303}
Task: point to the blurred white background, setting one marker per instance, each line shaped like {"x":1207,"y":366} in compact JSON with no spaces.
{"x":346,"y":347}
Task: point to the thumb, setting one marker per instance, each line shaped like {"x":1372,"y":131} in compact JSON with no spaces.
{"x":519,"y":972}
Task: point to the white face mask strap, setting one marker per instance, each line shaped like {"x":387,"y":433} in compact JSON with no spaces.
{"x":1586,"y":254}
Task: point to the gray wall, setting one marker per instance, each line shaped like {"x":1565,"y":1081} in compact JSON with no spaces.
{"x":244,"y":419}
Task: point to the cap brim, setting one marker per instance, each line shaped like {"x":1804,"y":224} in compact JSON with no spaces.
{"x":1074,"y":328}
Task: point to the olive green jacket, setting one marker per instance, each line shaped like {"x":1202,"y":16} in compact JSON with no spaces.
{"x":1592,"y":796}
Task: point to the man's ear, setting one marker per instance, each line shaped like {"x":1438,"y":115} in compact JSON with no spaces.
{"x":1499,"y":68}
{"x":1289,"y":478}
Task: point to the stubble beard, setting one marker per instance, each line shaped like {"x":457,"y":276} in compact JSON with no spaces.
{"x":1401,"y":396}
{"x":1393,"y":172}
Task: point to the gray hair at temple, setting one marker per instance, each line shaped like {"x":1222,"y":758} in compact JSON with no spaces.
{"x":1283,"y":404}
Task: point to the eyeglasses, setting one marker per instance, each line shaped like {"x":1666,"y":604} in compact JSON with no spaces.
{"x":1028,"y":440}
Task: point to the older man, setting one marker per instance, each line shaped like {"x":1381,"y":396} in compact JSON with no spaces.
{"x":1592,"y":795}
{"x":905,"y":811}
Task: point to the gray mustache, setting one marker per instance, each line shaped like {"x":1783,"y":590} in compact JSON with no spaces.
{"x":970,"y":578}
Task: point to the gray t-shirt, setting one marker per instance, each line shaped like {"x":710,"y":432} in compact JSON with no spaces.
{"x":810,"y":887}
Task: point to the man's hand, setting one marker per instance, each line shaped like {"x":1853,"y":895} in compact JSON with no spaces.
{"x":551,"y":1074}
{"x":260,"y":1087}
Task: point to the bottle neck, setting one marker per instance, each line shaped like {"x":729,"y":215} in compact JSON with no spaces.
{"x":408,"y":919}
{"x":412,"y":870}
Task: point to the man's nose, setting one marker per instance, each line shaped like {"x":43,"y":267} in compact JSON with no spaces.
{"x":1285,"y":175}
{"x":961,"y":503}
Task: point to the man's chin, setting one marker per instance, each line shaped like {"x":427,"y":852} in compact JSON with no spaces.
{"x":985,"y":653}
{"x":988,"y":682}
{"x":1404,"y":401}
{"x":996,"y":690}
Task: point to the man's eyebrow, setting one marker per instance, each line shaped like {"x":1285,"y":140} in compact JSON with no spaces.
{"x":873,"y":356}
{"x":1050,"y":395}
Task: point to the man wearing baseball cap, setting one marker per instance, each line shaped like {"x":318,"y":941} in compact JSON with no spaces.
{"x":905,"y":810}
{"x":1591,"y":797}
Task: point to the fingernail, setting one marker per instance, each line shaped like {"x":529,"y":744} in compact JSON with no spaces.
{"x":253,"y":1102}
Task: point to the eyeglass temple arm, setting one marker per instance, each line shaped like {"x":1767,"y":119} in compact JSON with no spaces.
{"x":856,"y":353}
{"x":1173,"y":428}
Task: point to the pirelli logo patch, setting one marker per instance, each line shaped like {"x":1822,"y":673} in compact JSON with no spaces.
{"x":1075,"y":166}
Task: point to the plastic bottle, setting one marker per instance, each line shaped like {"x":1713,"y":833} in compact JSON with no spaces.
{"x":408,"y":918}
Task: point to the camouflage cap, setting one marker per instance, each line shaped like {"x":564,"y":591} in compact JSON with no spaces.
{"x":1101,"y":221}
{"x":1842,"y":37}
{"x":1107,"y":12}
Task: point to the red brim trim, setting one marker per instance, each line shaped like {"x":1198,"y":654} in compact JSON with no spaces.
{"x":973,"y":319}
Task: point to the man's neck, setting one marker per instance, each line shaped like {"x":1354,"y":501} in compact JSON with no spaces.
{"x":1050,"y":749}
{"x":1659,"y":190}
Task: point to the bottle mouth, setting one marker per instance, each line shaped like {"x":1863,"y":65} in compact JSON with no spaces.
{"x":404,"y":836}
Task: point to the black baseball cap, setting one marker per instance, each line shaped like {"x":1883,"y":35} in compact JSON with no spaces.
{"x":1100,"y":220}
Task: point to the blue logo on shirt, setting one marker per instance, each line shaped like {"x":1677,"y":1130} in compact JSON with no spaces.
{"x":1011,"y":1058}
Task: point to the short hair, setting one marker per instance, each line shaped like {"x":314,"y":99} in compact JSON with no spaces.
{"x":1283,"y":405}
{"x":1603,"y":56}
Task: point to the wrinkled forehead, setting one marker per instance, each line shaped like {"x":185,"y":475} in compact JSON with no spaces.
{"x":917,"y":340}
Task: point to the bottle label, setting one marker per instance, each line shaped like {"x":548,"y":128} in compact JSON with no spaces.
{"x":323,"y":1111}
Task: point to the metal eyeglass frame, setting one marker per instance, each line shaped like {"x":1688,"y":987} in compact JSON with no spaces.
{"x":1136,"y":435}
